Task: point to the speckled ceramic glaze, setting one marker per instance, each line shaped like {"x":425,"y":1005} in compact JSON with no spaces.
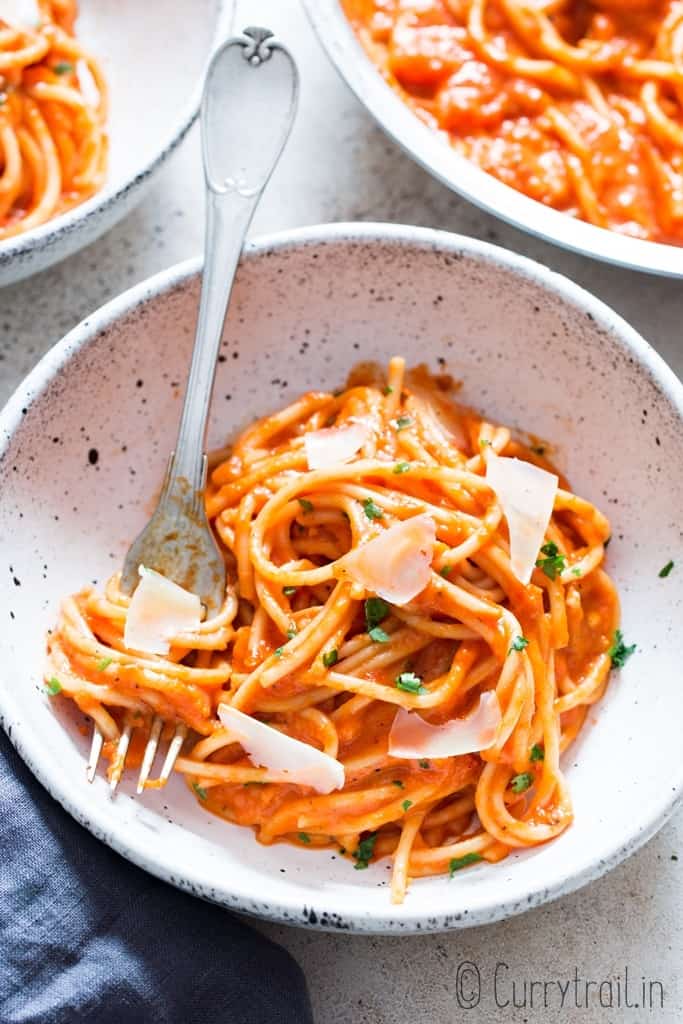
{"x":83,"y":445}
{"x":155,"y":86}
{"x":432,"y":151}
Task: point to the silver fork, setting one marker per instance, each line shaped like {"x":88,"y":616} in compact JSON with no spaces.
{"x":247,"y":111}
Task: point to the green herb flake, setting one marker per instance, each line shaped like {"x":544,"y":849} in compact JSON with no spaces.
{"x":554,"y":562}
{"x":279,"y":651}
{"x":304,"y":837}
{"x":199,"y":790}
{"x":537,"y":753}
{"x":363,"y":854}
{"x":404,"y":421}
{"x":330,"y":658}
{"x":445,"y":570}
{"x":520,"y":783}
{"x":289,"y":591}
{"x":577,"y":572}
{"x":619,"y":652}
{"x":388,"y":390}
{"x":484,"y":443}
{"x":397,"y":782}
{"x":424,"y":764}
{"x":291,"y":632}
{"x":378,"y":636}
{"x":407,"y":804}
{"x":519,"y":643}
{"x":376,"y":611}
{"x":63,"y":68}
{"x":410,"y":683}
{"x":306,"y":505}
{"x":462,"y":862}
{"x":105,"y":663}
{"x":401,"y":467}
{"x":53,"y":686}
{"x":372,"y":510}
{"x":664,"y":572}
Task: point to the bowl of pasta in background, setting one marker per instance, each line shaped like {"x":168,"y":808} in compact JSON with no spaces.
{"x":153,"y":94}
{"x":413,"y":119}
{"x":83,"y":446}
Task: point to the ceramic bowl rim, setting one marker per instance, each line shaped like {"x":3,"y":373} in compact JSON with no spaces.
{"x":289,"y":909}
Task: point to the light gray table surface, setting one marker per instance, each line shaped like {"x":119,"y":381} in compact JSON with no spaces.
{"x":339,"y":166}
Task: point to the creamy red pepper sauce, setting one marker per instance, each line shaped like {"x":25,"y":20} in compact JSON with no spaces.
{"x":575,"y":104}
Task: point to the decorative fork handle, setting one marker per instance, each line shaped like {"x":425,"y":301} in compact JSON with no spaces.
{"x":238,"y":161}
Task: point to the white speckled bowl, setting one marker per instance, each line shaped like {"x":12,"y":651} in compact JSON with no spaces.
{"x":433,"y":152}
{"x":155,"y":87}
{"x":533,"y":349}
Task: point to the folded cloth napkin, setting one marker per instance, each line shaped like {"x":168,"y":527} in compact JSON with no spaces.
{"x":85,"y":936}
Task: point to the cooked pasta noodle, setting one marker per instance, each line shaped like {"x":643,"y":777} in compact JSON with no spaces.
{"x":575,"y":103}
{"x":53,"y":109}
{"x":305,"y":648}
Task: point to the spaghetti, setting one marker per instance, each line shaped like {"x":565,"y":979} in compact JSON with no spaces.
{"x":53,"y":109}
{"x":303,"y":648}
{"x":575,"y":103}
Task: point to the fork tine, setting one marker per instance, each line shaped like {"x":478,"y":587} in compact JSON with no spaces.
{"x":120,"y":758}
{"x":173,"y":751}
{"x":150,"y":752}
{"x":95,"y":751}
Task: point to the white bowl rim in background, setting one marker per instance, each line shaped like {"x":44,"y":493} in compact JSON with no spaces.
{"x":437,"y":157}
{"x":636,"y":831}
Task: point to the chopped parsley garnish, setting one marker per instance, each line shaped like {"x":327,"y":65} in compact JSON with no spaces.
{"x":446,"y":570}
{"x":279,"y":651}
{"x":554,"y":562}
{"x":519,"y":643}
{"x":330,"y":658}
{"x":520,"y":783}
{"x":406,"y":804}
{"x":619,"y":652}
{"x":105,"y":663}
{"x":376,"y":611}
{"x":306,"y":505}
{"x":372,"y":510}
{"x":409,"y":682}
{"x":378,"y":636}
{"x":461,"y":862}
{"x":537,"y":753}
{"x":291,"y":632}
{"x":304,"y":837}
{"x":388,"y":390}
{"x":288,"y":591}
{"x":404,"y":421}
{"x":364,"y":852}
{"x":199,"y":790}
{"x":664,"y":572}
{"x":424,"y":764}
{"x":484,"y":443}
{"x":397,"y":782}
{"x":53,"y":686}
{"x":63,"y":68}
{"x":577,"y":572}
{"x":401,"y":467}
